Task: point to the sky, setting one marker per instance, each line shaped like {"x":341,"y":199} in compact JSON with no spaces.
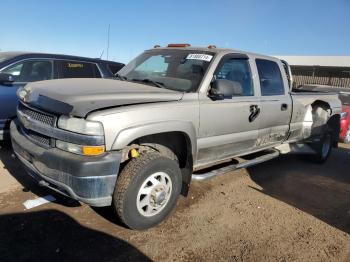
{"x":273,"y":27}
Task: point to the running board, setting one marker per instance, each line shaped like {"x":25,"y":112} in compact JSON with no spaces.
{"x":246,"y":163}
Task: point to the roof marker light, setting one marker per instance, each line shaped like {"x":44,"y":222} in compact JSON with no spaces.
{"x":178,"y":45}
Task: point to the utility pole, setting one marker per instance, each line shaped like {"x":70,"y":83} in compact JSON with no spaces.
{"x":109,"y":27}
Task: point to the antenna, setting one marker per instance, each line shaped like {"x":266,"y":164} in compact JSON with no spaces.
{"x":102,"y":54}
{"x":109,"y":27}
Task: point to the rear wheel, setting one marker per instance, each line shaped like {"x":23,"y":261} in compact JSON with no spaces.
{"x":147,"y":190}
{"x":323,"y":148}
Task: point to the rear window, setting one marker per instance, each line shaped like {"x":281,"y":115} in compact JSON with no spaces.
{"x":76,"y":69}
{"x":271,"y":82}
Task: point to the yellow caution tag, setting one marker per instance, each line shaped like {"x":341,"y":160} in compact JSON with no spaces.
{"x":70,"y":65}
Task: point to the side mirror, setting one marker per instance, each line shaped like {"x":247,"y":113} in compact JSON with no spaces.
{"x":6,"y":78}
{"x":223,"y":88}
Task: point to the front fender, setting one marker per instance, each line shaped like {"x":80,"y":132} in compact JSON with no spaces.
{"x":126,"y":136}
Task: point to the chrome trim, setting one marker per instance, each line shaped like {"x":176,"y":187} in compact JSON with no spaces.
{"x":53,"y":132}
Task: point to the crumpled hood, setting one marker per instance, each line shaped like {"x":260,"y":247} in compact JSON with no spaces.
{"x":80,"y":96}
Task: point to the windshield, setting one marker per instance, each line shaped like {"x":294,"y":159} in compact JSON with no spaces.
{"x":180,"y":70}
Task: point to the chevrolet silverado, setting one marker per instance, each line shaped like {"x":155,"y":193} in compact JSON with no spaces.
{"x":136,"y":143}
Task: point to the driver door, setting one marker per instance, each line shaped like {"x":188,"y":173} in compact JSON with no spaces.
{"x":25,"y":71}
{"x":226,"y":127}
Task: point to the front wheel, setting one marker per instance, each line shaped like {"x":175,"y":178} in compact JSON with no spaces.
{"x":147,"y":190}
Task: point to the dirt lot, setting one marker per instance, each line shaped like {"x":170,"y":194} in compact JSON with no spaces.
{"x":284,"y":210}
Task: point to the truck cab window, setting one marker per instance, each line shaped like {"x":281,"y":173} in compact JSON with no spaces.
{"x":271,"y":83}
{"x":77,"y":69}
{"x":236,"y":70}
{"x":30,"y":70}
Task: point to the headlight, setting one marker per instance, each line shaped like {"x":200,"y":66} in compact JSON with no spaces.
{"x":23,"y":94}
{"x":80,"y":149}
{"x":80,"y":125}
{"x":343,"y":115}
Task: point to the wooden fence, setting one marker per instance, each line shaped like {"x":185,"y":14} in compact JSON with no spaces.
{"x":332,"y":76}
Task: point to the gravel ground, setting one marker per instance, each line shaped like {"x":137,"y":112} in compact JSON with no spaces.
{"x":287,"y":209}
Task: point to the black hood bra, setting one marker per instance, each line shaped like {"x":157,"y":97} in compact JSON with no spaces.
{"x":78,"y":97}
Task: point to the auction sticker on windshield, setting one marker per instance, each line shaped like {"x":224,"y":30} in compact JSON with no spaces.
{"x":203,"y":57}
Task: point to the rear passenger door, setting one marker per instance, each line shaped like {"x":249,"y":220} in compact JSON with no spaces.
{"x":275,"y":103}
{"x":76,"y":69}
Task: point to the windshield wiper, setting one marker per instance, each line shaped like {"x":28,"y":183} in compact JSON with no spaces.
{"x":120,"y":77}
{"x":146,"y":80}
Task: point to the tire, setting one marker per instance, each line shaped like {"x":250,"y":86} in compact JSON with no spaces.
{"x":147,"y":190}
{"x":323,"y":148}
{"x":346,"y":139}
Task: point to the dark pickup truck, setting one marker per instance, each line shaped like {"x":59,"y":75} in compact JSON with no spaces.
{"x":19,"y":68}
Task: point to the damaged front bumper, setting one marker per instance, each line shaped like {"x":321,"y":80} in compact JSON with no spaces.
{"x":87,"y":179}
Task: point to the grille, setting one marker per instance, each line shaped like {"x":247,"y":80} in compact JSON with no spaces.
{"x":36,"y":115}
{"x":47,"y":119}
{"x":38,"y":138}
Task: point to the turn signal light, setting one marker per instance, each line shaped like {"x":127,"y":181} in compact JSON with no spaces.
{"x":80,"y":149}
{"x":93,"y":150}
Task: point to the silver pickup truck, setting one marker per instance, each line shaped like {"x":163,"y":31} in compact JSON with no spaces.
{"x":136,"y":143}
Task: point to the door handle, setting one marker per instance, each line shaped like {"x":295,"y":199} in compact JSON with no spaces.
{"x":284,"y":107}
{"x":254,"y":112}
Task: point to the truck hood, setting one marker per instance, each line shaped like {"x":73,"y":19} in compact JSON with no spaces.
{"x":78,"y":97}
